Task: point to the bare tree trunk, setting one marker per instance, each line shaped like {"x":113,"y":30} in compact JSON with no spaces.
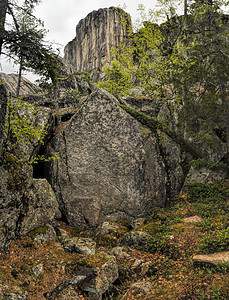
{"x":3,"y":95}
{"x":185,"y":13}
{"x":19,"y":80}
{"x":3,"y":8}
{"x":3,"y":105}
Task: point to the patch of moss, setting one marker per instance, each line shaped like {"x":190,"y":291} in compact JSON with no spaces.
{"x":95,"y":261}
{"x":106,"y":240}
{"x":123,"y":222}
{"x":39,"y":230}
{"x":150,"y":228}
{"x":199,"y":163}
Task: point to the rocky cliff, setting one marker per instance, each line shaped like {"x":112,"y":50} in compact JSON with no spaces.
{"x":96,"y":34}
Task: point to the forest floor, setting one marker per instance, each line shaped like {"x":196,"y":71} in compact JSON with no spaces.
{"x":163,"y":267}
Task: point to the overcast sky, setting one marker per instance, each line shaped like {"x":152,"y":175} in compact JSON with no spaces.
{"x":61,"y":17}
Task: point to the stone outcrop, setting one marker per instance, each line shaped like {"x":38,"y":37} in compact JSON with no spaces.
{"x":110,"y":166}
{"x":96,"y":34}
{"x":27,"y":88}
{"x":25,"y":203}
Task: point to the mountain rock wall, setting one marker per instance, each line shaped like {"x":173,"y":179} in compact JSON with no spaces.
{"x":96,"y":34}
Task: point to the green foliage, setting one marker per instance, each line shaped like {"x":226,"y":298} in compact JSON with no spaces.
{"x":207,"y":192}
{"x":37,"y":231}
{"x":21,"y":130}
{"x":155,"y":124}
{"x":24,"y":43}
{"x":215,"y":241}
{"x":118,"y":81}
{"x":182,"y":64}
{"x":203,"y":162}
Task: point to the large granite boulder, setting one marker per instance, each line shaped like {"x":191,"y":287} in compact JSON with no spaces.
{"x":96,"y":34}
{"x":110,"y":165}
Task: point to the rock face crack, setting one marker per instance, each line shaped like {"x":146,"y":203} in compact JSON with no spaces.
{"x":66,"y":155}
{"x":108,"y":167}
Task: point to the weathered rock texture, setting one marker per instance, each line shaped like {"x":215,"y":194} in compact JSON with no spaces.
{"x":27,"y":88}
{"x":110,"y":166}
{"x":25,"y":203}
{"x":95,"y":36}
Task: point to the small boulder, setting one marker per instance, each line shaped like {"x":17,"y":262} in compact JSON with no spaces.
{"x":211,"y":259}
{"x":111,"y":228}
{"x":142,"y":268}
{"x":193,"y":220}
{"x":119,"y":253}
{"x":134,"y":238}
{"x":106,"y":272}
{"x":143,"y":287}
{"x":43,"y":234}
{"x":37,"y":270}
{"x":85,"y":246}
{"x":137,"y":222}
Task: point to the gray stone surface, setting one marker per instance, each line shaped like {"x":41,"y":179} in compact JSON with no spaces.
{"x":96,"y":34}
{"x":37,"y":270}
{"x":134,"y":238}
{"x":27,"y":88}
{"x":109,"y":167}
{"x":85,"y":246}
{"x":25,"y":203}
{"x":41,"y":206}
{"x":48,"y":235}
{"x":143,"y":287}
{"x":105,"y":275}
{"x":204,"y":175}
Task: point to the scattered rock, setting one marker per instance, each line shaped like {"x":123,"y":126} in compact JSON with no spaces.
{"x":37,"y":270}
{"x":134,"y":238}
{"x":111,"y":228}
{"x":118,"y":252}
{"x":12,"y":296}
{"x":12,"y":293}
{"x":141,"y":287}
{"x":85,"y":246}
{"x":211,"y":259}
{"x":142,"y":268}
{"x":204,"y":174}
{"x":193,"y":220}
{"x":64,"y":285}
{"x":43,"y":234}
{"x":106,"y":271}
{"x":137,"y":222}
